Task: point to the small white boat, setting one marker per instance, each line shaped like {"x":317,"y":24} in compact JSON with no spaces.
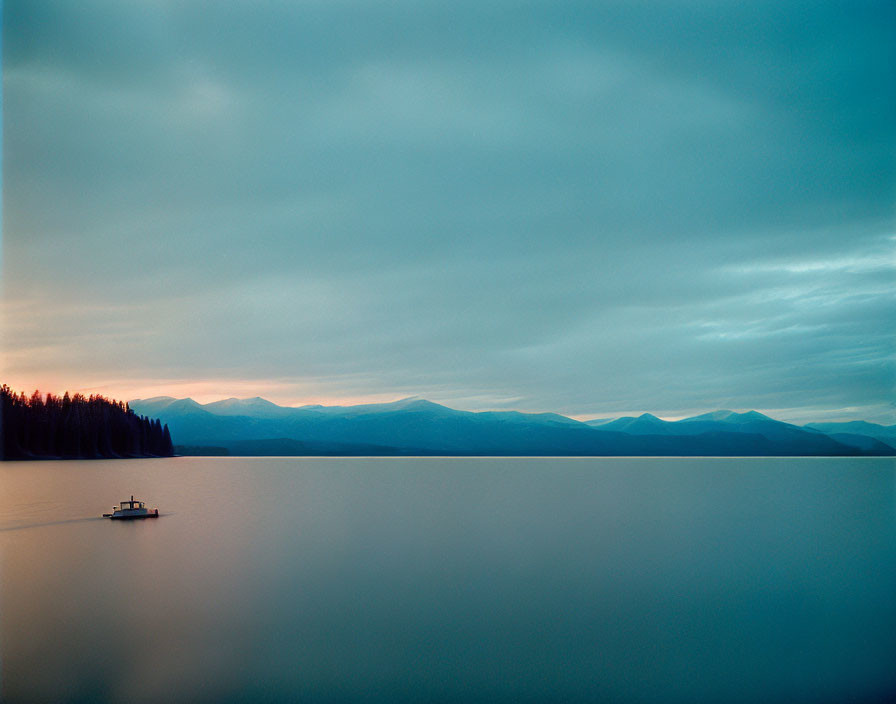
{"x":132,"y":509}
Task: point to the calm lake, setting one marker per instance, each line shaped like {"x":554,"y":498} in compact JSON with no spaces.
{"x":450,"y":580}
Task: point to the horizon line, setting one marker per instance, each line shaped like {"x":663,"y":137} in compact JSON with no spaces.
{"x":800,"y":416}
{"x":580,"y":418}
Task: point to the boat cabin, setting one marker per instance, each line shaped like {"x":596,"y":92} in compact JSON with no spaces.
{"x":132,"y":509}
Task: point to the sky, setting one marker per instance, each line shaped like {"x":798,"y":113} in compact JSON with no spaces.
{"x":594,"y":208}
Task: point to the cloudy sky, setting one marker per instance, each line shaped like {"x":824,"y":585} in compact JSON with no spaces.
{"x":594,"y":208}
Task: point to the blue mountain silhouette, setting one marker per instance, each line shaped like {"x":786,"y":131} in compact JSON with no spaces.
{"x":415,"y":426}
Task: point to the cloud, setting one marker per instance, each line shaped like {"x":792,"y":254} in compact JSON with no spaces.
{"x":586,"y":208}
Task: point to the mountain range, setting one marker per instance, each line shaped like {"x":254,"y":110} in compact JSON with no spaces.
{"x":413,"y":426}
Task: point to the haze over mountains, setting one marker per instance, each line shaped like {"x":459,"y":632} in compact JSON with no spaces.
{"x":255,"y":426}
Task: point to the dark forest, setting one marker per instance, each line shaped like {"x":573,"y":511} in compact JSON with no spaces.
{"x":76,"y":427}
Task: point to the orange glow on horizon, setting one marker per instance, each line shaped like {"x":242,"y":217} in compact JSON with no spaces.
{"x":200,"y":391}
{"x":295,"y":393}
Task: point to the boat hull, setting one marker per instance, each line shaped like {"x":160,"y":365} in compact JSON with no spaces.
{"x":131,"y":516}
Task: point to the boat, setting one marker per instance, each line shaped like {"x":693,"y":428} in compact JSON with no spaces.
{"x":132,"y":509}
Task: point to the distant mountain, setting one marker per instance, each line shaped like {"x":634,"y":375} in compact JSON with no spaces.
{"x":152,"y":406}
{"x":537,"y":418}
{"x":884,"y":433}
{"x":598,"y":421}
{"x":729,"y":419}
{"x":645,"y":424}
{"x":155,"y":403}
{"x":418,"y":426}
{"x":722,"y":415}
{"x":256,"y":407}
{"x":783,"y":435}
{"x":872,"y":446}
{"x":725,"y":416}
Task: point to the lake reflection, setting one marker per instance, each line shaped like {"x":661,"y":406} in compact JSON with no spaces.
{"x":442,"y":580}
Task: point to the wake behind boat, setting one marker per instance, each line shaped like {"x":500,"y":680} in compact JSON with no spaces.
{"x":132,"y":509}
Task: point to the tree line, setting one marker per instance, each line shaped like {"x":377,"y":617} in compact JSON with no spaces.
{"x":77,"y":427}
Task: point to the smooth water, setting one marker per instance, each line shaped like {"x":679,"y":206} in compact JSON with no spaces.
{"x":450,"y":580}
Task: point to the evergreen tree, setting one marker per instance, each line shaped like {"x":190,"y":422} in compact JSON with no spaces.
{"x":167,"y":446}
{"x":76,"y":427}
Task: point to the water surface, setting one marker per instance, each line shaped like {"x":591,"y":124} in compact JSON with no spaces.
{"x":456,"y":579}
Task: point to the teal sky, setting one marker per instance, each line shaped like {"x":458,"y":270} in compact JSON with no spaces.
{"x":592,"y":208}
